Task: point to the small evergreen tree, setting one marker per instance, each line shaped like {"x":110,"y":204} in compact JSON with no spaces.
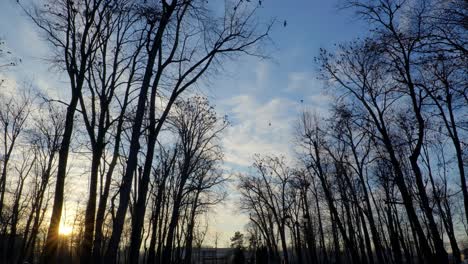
{"x":237,"y":243}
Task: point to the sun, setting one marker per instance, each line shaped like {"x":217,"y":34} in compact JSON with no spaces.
{"x":65,"y":229}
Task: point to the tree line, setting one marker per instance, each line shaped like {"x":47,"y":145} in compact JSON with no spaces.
{"x":382,"y":177}
{"x":131,"y":110}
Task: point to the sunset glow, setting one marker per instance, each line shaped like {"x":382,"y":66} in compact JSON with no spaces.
{"x":234,"y":131}
{"x":65,"y":229}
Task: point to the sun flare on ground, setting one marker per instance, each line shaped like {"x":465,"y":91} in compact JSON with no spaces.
{"x":65,"y":229}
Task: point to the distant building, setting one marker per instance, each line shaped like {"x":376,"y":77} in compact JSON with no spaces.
{"x":465,"y":255}
{"x":212,"y":255}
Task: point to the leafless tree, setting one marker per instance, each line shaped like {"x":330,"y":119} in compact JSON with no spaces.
{"x":14,"y":113}
{"x":178,"y":62}
{"x":73,"y":28}
{"x":44,"y":139}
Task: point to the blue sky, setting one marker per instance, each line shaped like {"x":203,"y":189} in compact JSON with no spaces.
{"x":254,"y":93}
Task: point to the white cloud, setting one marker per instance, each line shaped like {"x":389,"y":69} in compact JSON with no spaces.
{"x":302,"y":82}
{"x":225,"y":219}
{"x":262,"y":74}
{"x":258,"y":128}
{"x":297,"y":81}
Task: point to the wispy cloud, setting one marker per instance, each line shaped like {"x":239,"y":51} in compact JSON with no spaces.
{"x":301,"y":81}
{"x":258,"y":127}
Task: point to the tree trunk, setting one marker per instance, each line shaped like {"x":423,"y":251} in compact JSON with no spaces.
{"x":87,"y":243}
{"x":132,"y":160}
{"x":51,"y":244}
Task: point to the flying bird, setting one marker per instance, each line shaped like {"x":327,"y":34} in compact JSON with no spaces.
{"x":285,"y":23}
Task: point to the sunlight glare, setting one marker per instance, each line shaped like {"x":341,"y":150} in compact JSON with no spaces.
{"x":65,"y":230}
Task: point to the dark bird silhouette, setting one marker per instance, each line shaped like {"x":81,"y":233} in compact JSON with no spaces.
{"x":285,"y":23}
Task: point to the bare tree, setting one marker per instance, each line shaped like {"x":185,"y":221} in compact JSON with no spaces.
{"x":270,"y":190}
{"x":13,"y":116}
{"x":105,"y":78}
{"x":185,"y":61}
{"x":198,"y":129}
{"x":73,"y":29}
{"x":44,"y":139}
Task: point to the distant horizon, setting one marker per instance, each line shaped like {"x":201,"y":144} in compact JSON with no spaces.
{"x":243,"y":88}
{"x":337,"y":129}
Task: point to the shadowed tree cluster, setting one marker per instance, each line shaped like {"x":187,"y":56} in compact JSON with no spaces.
{"x":152,"y":153}
{"x":382,"y":178}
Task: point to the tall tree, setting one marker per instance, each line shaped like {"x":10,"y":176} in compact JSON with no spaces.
{"x":115,"y":59}
{"x":73,"y":29}
{"x":173,"y":50}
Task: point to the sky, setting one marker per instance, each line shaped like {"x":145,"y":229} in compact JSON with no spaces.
{"x":261,"y":97}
